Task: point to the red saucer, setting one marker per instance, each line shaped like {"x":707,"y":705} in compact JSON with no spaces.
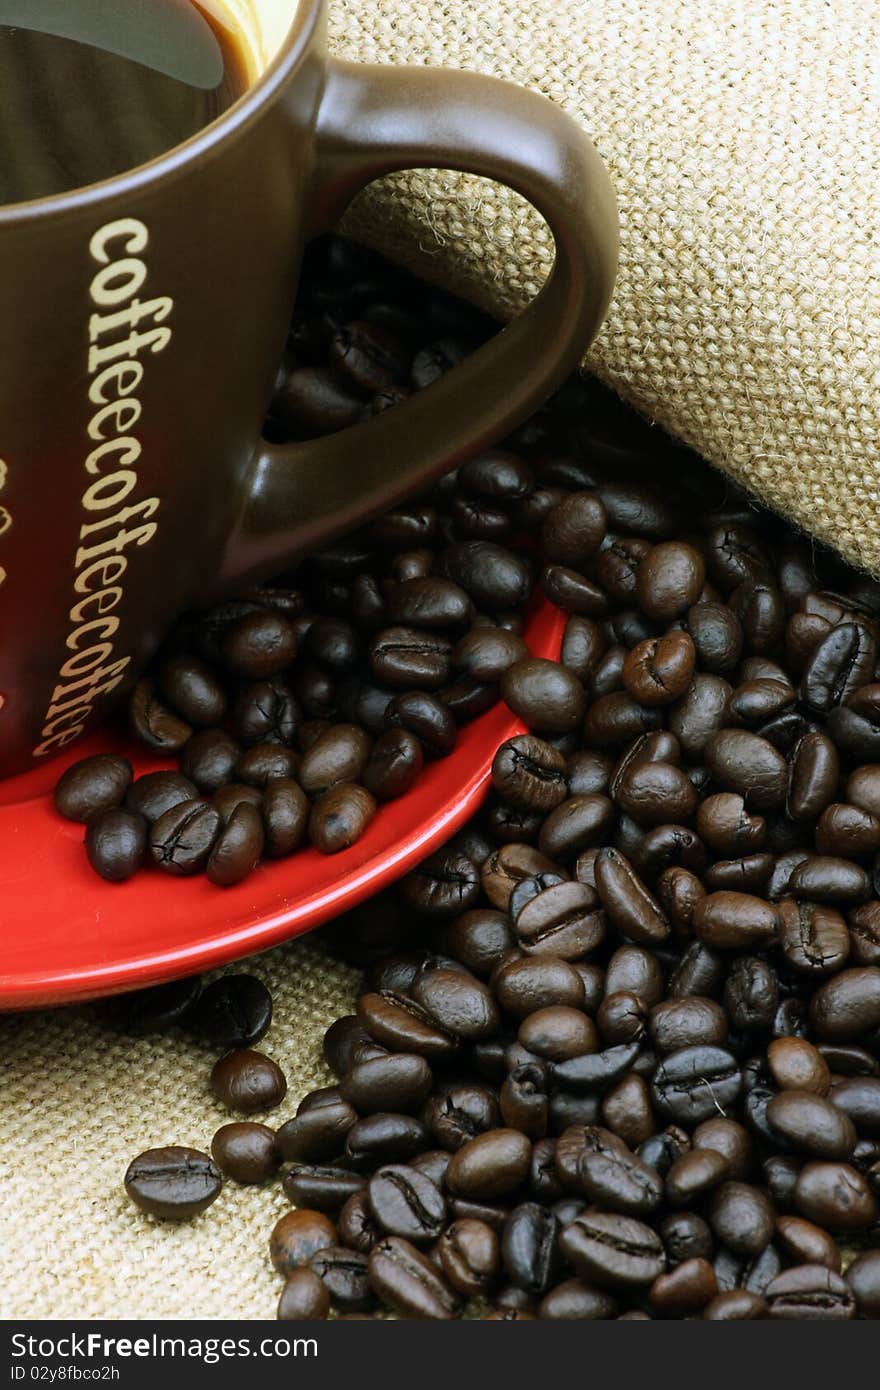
{"x":67,"y":936}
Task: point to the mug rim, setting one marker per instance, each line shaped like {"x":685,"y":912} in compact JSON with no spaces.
{"x":141,"y":176}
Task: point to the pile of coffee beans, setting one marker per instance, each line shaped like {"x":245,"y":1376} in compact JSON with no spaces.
{"x":617,"y":1052}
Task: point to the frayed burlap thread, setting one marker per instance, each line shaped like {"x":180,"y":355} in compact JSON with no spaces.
{"x":741,"y":136}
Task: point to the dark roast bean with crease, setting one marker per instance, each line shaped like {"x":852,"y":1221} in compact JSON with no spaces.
{"x":656,"y":794}
{"x":238,"y":847}
{"x":181,"y":840}
{"x":780,"y":1173}
{"x":747,"y":875}
{"x":864,"y":934}
{"x":754,"y":1275}
{"x":340,"y":816}
{"x":659,"y":669}
{"x":813,"y":777}
{"x":430,"y":603}
{"x":863,"y":1278}
{"x":725,"y":826}
{"x":356,"y":1225}
{"x":529,"y":1247}
{"x":458,"y":1112}
{"x":408,"y":1282}
{"x":621,"y":1018}
{"x":636,"y":971}
{"x":544,"y":1182}
{"x":806,"y":1243}
{"x":617,"y":1180}
{"x":485,"y":653}
{"x":743,"y":762}
{"x":687,"y":1022}
{"x":841,"y":663}
{"x":511,"y":824}
{"x":492,"y":1165}
{"x":443,"y":885}
{"x":751,"y":995}
{"x":401,"y":1025}
{"x":813,"y":937}
{"x":523,"y":1099}
{"x":667,"y":846}
{"x":259,"y":644}
{"x":810,"y":1291}
{"x":657,"y":747}
{"x":236,"y":794}
{"x":595,"y":1072}
{"x":460,"y":1004}
{"x":573,"y":530}
{"x":469,"y":1254}
{"x":569,"y":590}
{"x":334,"y":643}
{"x":607,"y":678}
{"x":402,"y":657}
{"x":384,"y":1137}
{"x":344,"y":1274}
{"x":835,"y":1196}
{"x":735,"y":1305}
{"x":761,"y":611}
{"x":847,"y":831}
{"x":686,"y":1236}
{"x":632,"y":507}
{"x":339,"y":755}
{"x":173,"y":1183}
{"x":521,"y":987}
{"x":811,"y":1125}
{"x":733,"y":921}
{"x":563,"y":921}
{"x":209,"y":759}
{"x":741,"y":1217}
{"x":717,"y":635}
{"x":423,"y":715}
{"x":626,"y":900}
{"x":690,"y":1085}
{"x":678,"y":892}
{"x":617,"y":564}
{"x":548,"y":697}
{"x":232,"y":1012}
{"x":528,"y":772}
{"x":116,"y":843}
{"x":265,"y":762}
{"x":297,"y":1236}
{"x":615,"y":1251}
{"x":736,"y":555}
{"x":583,"y":645}
{"x":92,"y":785}
{"x":700,"y":970}
{"x":266,"y":711}
{"x":316,"y":1135}
{"x":407,"y":1203}
{"x":574,"y":825}
{"x":153,"y":723}
{"x":847,"y":1007}
{"x":248,"y":1081}
{"x":575,"y":1300}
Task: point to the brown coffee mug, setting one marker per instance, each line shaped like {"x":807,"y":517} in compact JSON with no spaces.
{"x":142,"y":321}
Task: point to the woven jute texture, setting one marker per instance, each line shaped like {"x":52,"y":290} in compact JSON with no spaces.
{"x":741,"y":136}
{"x":742,"y":139}
{"x":78,"y":1101}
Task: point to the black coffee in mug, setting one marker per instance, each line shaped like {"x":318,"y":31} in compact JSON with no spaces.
{"x":90,"y":88}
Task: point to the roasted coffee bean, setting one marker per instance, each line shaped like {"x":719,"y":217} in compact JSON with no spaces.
{"x":796,"y":1065}
{"x":635,"y":970}
{"x":191,"y":687}
{"x":626,"y":1109}
{"x":338,"y":755}
{"x":583,"y":645}
{"x":659,"y":670}
{"x":345,"y":1276}
{"x":834,"y":1196}
{"x":734,"y":921}
{"x":807,"y":1243}
{"x":266,"y":712}
{"x":576,"y":824}
{"x":751,"y":995}
{"x":443,"y":885}
{"x":686,"y":1236}
{"x":530,"y":773}
{"x":523,"y":1099}
{"x":811,"y":1125}
{"x":529,"y":1247}
{"x":303,"y":1298}
{"x":356,"y":1226}
{"x":842,"y":661}
{"x":297,"y":1237}
{"x":574,"y":1300}
{"x":685,"y":1290}
{"x":383,"y":1137}
{"x":741,"y":1217}
{"x":573,"y":530}
{"x":864,"y":933}
{"x":233,"y":1012}
{"x":670,"y":579}
{"x":863,"y":1278}
{"x":595,"y":1072}
{"x":824,"y":878}
{"x":285,"y":810}
{"x":153,"y":723}
{"x":409,"y":1282}
{"x":238,"y":847}
{"x":259,"y":645}
{"x":814,"y":938}
{"x":236,"y":794}
{"x":614,"y":1251}
{"x":181,"y":840}
{"x":626,"y":900}
{"x":656,"y":794}
{"x":735,"y":1305}
{"x":730,"y":1139}
{"x":563,"y":921}
{"x":398,"y":1082}
{"x":317,"y":1134}
{"x":460,"y":1004}
{"x":153,"y":1010}
{"x":156,"y":792}
{"x":549,"y":698}
{"x":810,"y":1291}
{"x":717,"y":635}
{"x":92,"y":785}
{"x":248,"y":1081}
{"x":618,"y":1180}
{"x":859,"y":1098}
{"x":558,"y":1032}
{"x":494,"y":577}
{"x":209,"y":759}
{"x":340,"y":816}
{"x":425,"y":716}
{"x":537,"y":982}
{"x":694,"y":1175}
{"x":689,"y":1085}
{"x":116,"y":843}
{"x":689,"y":1022}
{"x":263,"y":763}
{"x":247,"y":1153}
{"x":407,"y":1203}
{"x":469,"y":1254}
{"x":174,"y":1183}
{"x":847,"y":1007}
{"x":621,"y":1018}
{"x":743,"y":762}
{"x":492,"y":1165}
{"x":325,"y":1188}
{"x":393,"y":766}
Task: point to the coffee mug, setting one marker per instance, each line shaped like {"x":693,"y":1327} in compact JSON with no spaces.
{"x":142,"y":320}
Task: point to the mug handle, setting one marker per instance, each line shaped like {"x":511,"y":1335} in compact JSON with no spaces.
{"x":377,"y":120}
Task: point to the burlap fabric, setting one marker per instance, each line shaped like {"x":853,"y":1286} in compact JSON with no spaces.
{"x":742,"y":139}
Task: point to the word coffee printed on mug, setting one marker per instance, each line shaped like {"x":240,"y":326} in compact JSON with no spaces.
{"x":122,"y":329}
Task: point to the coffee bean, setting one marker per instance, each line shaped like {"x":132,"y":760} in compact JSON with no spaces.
{"x":524,"y":986}
{"x":741,"y":1217}
{"x":686,"y":1236}
{"x":614,"y":1251}
{"x":494,"y":577}
{"x":814,"y":938}
{"x":846,"y":1007}
{"x":153,"y":723}
{"x":562,"y":921}
{"x":340,"y":816}
{"x":246,"y":1152}
{"x":811,"y":1125}
{"x":529,"y":1247}
{"x":839,"y":664}
{"x":529,"y":773}
{"x":209,"y":759}
{"x":297,"y":1236}
{"x":810,"y":1291}
{"x":383,"y":1137}
{"x":408,"y":1282}
{"x":694,"y":1175}
{"x":834,"y":1196}
{"x":259,"y":645}
{"x":690,"y":1084}
{"x":735,"y":1305}
{"x":796,"y":1065}
{"x":325,"y":1188}
{"x":116,"y":843}
{"x":317,"y":1134}
{"x":233,"y":1012}
{"x":174,"y":1183}
{"x":685,"y":1290}
{"x":458,"y":1003}
{"x":659,"y":670}
{"x":617,"y":1180}
{"x":746,"y":763}
{"x":192,"y":689}
{"x":824,"y":878}
{"x":92,"y":785}
{"x":670,"y":580}
{"x":549,"y":698}
{"x":807,"y":1243}
{"x":469,"y":1254}
{"x":248,"y":1081}
{"x":407,"y":1203}
{"x":345,"y":1276}
{"x":303,"y":1298}
{"x":238,"y":847}
{"x":859,"y":1098}
{"x":492,"y":1165}
{"x":558,"y":1032}
{"x":863,"y":1278}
